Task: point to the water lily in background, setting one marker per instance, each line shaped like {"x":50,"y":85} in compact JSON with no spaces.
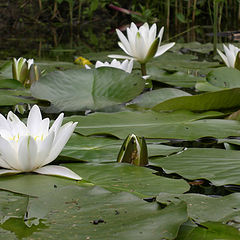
{"x":126,"y":65}
{"x":141,"y":44}
{"x":230,"y":55}
{"x":25,"y":71}
{"x":28,"y":148}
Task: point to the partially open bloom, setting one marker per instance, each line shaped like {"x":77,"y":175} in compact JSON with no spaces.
{"x":28,"y":148}
{"x":25,"y":71}
{"x":230,"y":55}
{"x":141,"y":44}
{"x":125,"y":65}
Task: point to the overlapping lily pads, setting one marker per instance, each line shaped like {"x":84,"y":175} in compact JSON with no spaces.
{"x":78,"y":90}
{"x":102,"y":149}
{"x":219,"y":166}
{"x":176,"y":125}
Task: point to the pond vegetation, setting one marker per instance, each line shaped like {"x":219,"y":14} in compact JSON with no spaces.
{"x":155,"y":152}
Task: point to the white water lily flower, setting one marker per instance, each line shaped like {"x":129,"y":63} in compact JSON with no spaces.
{"x":28,"y":148}
{"x":125,"y":65}
{"x":141,"y":44}
{"x":230,"y":55}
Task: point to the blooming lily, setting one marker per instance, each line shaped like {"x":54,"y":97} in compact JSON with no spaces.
{"x":142,"y":44}
{"x":125,"y":65}
{"x":28,"y":148}
{"x":230,"y":55}
{"x":25,"y":71}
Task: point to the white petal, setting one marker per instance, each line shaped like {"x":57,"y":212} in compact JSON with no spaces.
{"x":86,"y":66}
{"x":123,"y":48}
{"x":99,"y":64}
{"x":16,"y":125}
{"x":27,"y":153}
{"x":120,"y":56}
{"x":160,"y":35}
{"x":8,"y":154}
{"x":60,"y":140}
{"x":230,"y":56}
{"x":224,"y":58}
{"x":44,"y":149}
{"x":44,"y":127}
{"x":4,"y":123}
{"x":162,"y":49}
{"x":123,"y":40}
{"x":152,"y":34}
{"x":58,"y":171}
{"x":131,"y":38}
{"x":4,"y":172}
{"x":57,"y":124}
{"x":4,"y":164}
{"x":141,"y":48}
{"x":34,"y":120}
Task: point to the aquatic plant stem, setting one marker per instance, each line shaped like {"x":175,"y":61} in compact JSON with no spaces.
{"x":143,"y":69}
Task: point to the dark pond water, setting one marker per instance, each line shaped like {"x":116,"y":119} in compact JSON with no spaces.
{"x":62,"y":43}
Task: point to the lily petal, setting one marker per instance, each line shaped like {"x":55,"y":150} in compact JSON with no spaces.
{"x":224,"y":58}
{"x":120,"y":57}
{"x":56,"y":170}
{"x":34,"y":120}
{"x":27,"y":153}
{"x":57,"y":124}
{"x":123,"y":40}
{"x":44,"y":149}
{"x":8,"y":172}
{"x":8,"y":154}
{"x":162,"y":49}
{"x":60,"y":140}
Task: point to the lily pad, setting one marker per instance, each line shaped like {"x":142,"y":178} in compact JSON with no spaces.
{"x":224,"y":77}
{"x":102,"y":149}
{"x":78,"y":90}
{"x":97,"y":214}
{"x":225,"y":99}
{"x":206,"y":208}
{"x":219,"y":166}
{"x":209,"y":231}
{"x":149,"y":99}
{"x":129,"y":178}
{"x":179,"y":124}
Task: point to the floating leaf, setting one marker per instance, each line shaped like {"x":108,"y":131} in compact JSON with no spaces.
{"x":219,"y":166}
{"x":77,"y":90}
{"x":219,"y":100}
{"x":125,"y":177}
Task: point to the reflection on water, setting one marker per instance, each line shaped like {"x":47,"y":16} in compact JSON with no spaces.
{"x":63,"y":43}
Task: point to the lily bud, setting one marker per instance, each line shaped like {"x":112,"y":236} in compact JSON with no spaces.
{"x":134,"y":151}
{"x":25,"y":71}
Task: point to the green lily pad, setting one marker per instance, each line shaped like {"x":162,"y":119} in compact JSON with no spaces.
{"x":219,"y":166}
{"x":205,"y":208}
{"x":129,"y":178}
{"x":225,"y":99}
{"x":179,"y":79}
{"x":179,"y":124}
{"x":97,"y":214}
{"x":102,"y":149}
{"x":224,"y":77}
{"x":209,"y":231}
{"x":149,"y":99}
{"x":78,"y":90}
{"x":13,"y":97}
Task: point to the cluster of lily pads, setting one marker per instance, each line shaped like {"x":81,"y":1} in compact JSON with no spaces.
{"x":176,"y":174}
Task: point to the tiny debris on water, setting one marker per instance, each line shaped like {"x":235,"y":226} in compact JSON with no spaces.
{"x":95,"y":222}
